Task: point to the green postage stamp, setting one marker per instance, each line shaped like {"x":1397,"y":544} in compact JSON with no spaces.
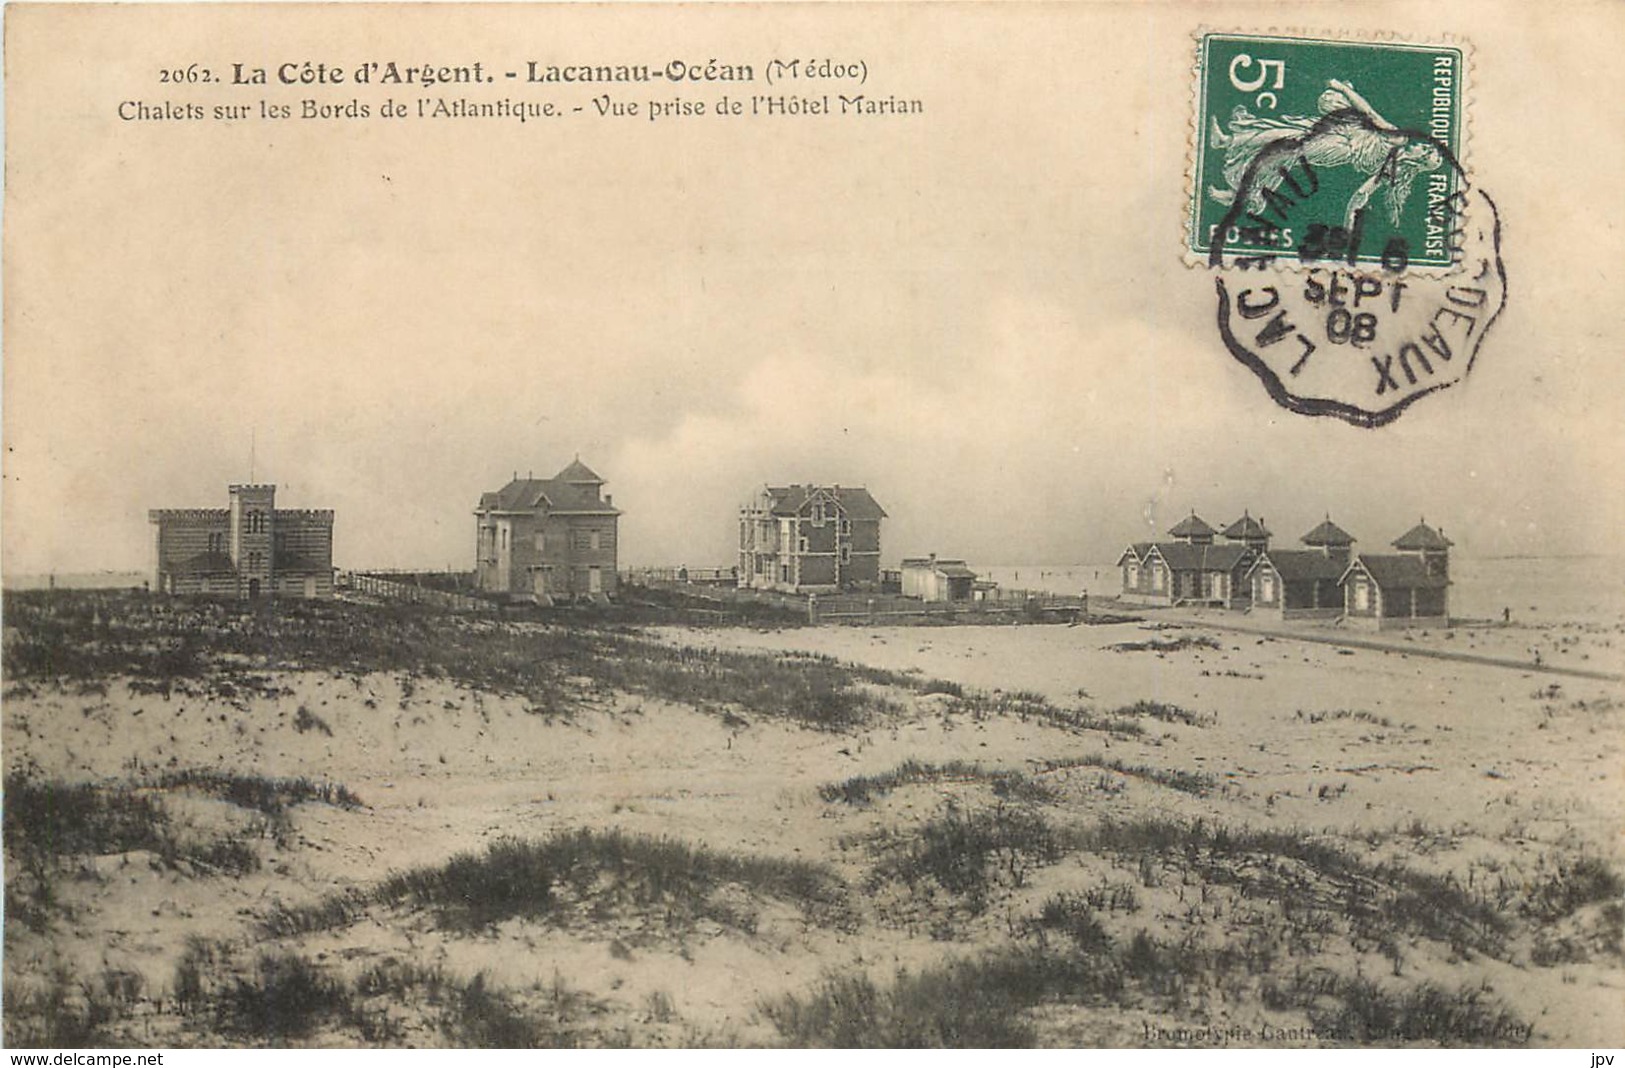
{"x":1316,"y":151}
{"x":1355,"y":261}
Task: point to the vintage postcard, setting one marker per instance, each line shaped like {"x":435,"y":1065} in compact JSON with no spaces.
{"x":806,"y":525}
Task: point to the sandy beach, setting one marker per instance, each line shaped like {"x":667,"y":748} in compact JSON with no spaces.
{"x":1256,"y":836}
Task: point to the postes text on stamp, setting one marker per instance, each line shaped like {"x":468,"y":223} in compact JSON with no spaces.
{"x":1370,"y":132}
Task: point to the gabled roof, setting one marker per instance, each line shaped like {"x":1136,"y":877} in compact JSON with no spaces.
{"x":1393,"y":572}
{"x":1135,"y":552}
{"x":1328,"y":533}
{"x":519,"y":495}
{"x":1422,"y":536}
{"x":1192,"y":527}
{"x":1182,"y":557}
{"x":1300,"y":565}
{"x":1246,"y":527}
{"x":560,"y":496}
{"x":855,"y":501}
{"x":577,"y":471}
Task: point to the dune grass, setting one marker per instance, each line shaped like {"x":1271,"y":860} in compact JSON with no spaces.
{"x":62,"y":1009}
{"x":223,"y":649}
{"x":1313,"y":875}
{"x":268,"y":795}
{"x":970,"y":853}
{"x":47,"y":820}
{"x":604,"y":872}
{"x":1190,"y":782}
{"x":283,"y":997}
{"x":1167,"y":645}
{"x":862,"y":789}
{"x":989,"y":1000}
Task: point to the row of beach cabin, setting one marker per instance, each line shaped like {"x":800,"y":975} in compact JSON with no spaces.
{"x":1325,"y":580}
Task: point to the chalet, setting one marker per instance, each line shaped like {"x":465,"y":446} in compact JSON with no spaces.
{"x":931,"y":579}
{"x":249,"y":549}
{"x":1303,"y":583}
{"x":807,"y":538}
{"x":1191,"y":569}
{"x":547,"y":539}
{"x":1404,"y":589}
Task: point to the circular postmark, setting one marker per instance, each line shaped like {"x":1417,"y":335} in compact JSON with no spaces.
{"x":1357,"y":269}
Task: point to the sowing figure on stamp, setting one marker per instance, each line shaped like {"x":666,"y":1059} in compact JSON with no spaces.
{"x":1355,"y":135}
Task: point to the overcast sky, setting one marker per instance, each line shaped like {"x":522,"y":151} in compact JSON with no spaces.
{"x":979,"y":313}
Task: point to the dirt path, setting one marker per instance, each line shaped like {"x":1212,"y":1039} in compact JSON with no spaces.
{"x":1377,"y":645}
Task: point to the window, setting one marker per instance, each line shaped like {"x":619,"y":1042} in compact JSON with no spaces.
{"x":595,"y":541}
{"x":846,"y":554}
{"x":803,"y":544}
{"x":818,"y":514}
{"x":846,"y":526}
{"x":1157,"y":574}
{"x":1362,"y":596}
{"x":1133,"y":575}
{"x":1266,"y":586}
{"x":541,"y":542}
{"x":217,"y":543}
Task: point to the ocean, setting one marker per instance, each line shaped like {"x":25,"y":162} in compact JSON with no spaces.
{"x":1581,"y":589}
{"x":79,"y":580}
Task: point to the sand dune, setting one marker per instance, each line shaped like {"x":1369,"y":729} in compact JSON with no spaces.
{"x":1452,"y":799}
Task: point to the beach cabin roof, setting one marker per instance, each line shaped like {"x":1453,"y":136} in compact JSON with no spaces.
{"x":1182,"y":557}
{"x":1134,"y":553}
{"x":1422,"y":536}
{"x":1328,"y":534}
{"x":1192,"y":526}
{"x":1300,"y":565}
{"x":1246,"y":527}
{"x":1391,"y":572}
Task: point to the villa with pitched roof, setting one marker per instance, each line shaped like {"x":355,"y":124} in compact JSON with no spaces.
{"x":807,"y":538}
{"x":1303,"y":583}
{"x":1409,"y":588}
{"x":547,"y":539}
